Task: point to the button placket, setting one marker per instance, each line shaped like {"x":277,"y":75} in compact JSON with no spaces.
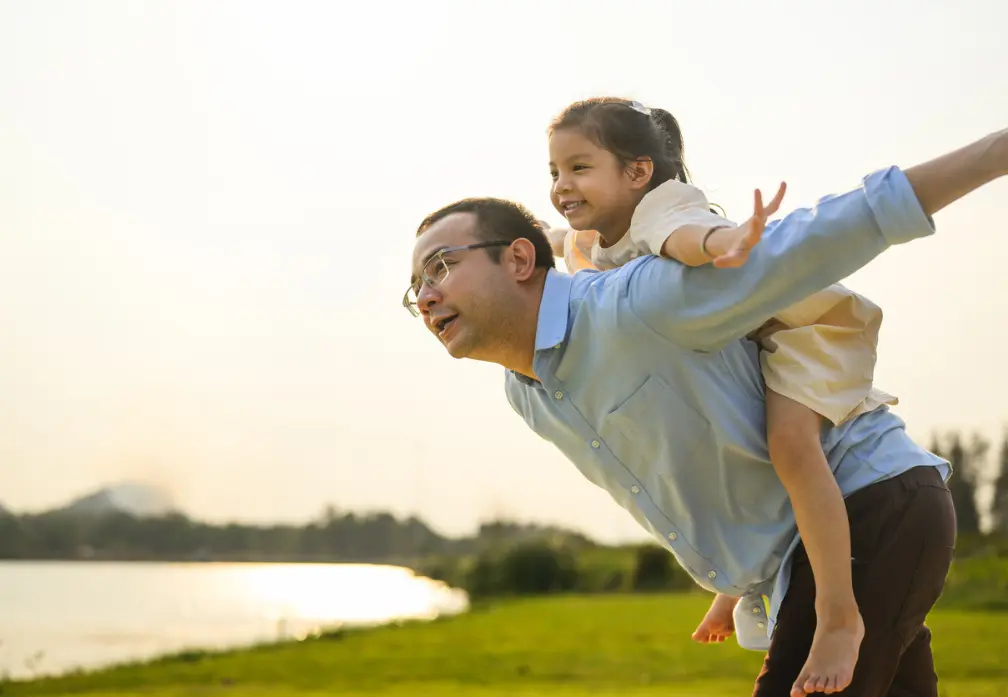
{"x":689,"y":558}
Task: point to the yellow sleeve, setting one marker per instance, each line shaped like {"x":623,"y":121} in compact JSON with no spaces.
{"x":577,"y":250}
{"x":823,"y":354}
{"x":835,"y":306}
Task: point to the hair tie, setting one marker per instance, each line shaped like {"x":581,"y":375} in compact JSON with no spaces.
{"x":637,"y":106}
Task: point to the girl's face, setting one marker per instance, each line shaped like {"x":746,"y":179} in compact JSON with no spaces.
{"x":592,"y":189}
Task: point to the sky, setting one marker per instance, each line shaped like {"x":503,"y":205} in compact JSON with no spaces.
{"x":207,"y":212}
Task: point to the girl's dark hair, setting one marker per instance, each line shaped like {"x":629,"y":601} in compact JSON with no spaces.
{"x":628,"y":131}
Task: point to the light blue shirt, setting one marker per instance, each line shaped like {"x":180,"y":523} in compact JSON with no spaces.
{"x":649,"y":386}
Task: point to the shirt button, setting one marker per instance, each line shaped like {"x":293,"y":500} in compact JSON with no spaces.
{"x":595,"y":444}
{"x":558,"y":394}
{"x":635,"y":489}
{"x":712,"y":574}
{"x":760,"y":625}
{"x":672,"y":536}
{"x":755,"y":611}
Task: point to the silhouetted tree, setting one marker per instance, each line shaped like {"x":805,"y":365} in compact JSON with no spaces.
{"x":999,"y":507}
{"x":967,"y":464}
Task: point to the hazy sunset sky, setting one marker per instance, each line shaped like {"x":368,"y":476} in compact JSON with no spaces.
{"x":206,"y":215}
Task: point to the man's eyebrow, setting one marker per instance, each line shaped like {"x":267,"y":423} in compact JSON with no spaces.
{"x":434,"y":252}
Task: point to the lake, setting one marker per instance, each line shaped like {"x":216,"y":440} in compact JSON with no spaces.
{"x":56,"y":616}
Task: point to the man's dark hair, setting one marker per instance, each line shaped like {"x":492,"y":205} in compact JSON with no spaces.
{"x":498,"y":219}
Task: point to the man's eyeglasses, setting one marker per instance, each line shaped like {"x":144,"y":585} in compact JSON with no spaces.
{"x":435,"y":271}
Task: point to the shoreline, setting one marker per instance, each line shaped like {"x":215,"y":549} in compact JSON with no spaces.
{"x":566,"y":645}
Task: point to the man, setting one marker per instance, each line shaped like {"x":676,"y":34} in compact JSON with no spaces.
{"x":643,"y":377}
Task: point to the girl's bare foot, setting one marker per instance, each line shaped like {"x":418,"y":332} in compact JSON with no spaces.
{"x":718,"y":624}
{"x":831,"y":660}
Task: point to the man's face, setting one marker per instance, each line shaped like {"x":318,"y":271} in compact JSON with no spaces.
{"x":461,"y":309}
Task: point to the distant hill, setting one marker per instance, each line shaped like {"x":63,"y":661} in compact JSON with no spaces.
{"x":128,"y":522}
{"x":136,"y":498}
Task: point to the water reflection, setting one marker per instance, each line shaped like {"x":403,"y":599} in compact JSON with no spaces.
{"x":353,"y":594}
{"x":55,"y":616}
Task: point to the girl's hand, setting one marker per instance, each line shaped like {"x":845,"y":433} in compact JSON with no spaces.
{"x":748,"y":234}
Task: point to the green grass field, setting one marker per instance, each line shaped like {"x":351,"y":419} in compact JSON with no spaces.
{"x":607,"y":645}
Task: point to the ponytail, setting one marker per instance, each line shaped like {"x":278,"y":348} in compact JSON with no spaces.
{"x":673,"y":143}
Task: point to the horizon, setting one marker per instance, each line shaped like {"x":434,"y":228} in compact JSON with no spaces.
{"x":107,"y":489}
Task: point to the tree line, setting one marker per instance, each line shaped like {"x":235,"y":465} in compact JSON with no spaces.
{"x":977,"y":466}
{"x":338,"y":536}
{"x":334,"y":537}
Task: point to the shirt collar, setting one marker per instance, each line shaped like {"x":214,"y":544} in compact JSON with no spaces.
{"x":554,"y":309}
{"x":551,"y":327}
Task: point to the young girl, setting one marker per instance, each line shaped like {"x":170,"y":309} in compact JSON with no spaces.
{"x":620,"y":181}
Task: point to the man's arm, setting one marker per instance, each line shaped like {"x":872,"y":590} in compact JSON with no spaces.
{"x":704,"y":307}
{"x":948,"y":178}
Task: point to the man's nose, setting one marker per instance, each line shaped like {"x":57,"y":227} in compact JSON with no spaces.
{"x":427,"y":297}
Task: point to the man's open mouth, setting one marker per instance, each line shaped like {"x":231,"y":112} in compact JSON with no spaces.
{"x":444,"y":324}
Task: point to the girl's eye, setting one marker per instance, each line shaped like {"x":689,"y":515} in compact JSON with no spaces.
{"x":577,"y":167}
{"x":553,"y":175}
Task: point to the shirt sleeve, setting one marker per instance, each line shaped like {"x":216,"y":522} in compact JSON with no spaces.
{"x":705,"y":307}
{"x":665,"y":210}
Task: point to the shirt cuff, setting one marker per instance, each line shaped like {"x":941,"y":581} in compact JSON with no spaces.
{"x":895,"y":206}
{"x":751,"y":623}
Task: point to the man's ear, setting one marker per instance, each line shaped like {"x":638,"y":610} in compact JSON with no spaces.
{"x":521,"y":256}
{"x":640,"y":172}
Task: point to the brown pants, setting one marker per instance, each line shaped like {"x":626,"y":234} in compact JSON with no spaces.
{"x":902,"y":537}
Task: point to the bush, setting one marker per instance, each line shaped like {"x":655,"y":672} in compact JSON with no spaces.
{"x":656,"y":570}
{"x":446,"y":570}
{"x":604,"y":570}
{"x":978,"y":579}
{"x":979,"y":583}
{"x":531,"y":568}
